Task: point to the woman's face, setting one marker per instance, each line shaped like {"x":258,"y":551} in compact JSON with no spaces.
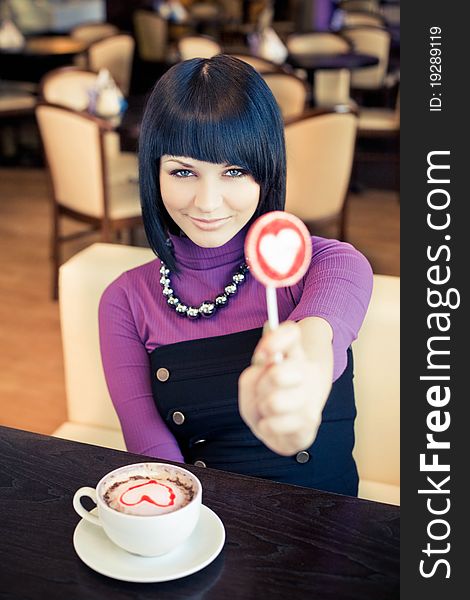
{"x":209,"y":202}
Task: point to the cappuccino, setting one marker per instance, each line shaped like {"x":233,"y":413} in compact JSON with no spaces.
{"x":148,"y":490}
{"x":168,"y":496}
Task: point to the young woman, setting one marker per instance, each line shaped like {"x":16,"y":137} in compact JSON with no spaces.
{"x":190,"y":374}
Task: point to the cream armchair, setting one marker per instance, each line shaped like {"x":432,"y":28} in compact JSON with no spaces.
{"x":91,"y":416}
{"x":377,"y":387}
{"x":82,"y":280}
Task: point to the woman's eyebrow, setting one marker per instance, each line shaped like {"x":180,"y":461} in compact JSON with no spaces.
{"x":190,"y":166}
{"x":179,"y":162}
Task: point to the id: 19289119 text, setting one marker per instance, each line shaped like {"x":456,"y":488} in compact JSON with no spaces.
{"x":435,"y":68}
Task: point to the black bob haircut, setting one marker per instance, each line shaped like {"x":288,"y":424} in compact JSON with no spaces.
{"x":218,"y":110}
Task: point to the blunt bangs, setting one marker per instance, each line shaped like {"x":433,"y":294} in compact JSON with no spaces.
{"x":216,"y":110}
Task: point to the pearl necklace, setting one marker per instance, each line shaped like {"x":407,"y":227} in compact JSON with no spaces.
{"x":208,"y":308}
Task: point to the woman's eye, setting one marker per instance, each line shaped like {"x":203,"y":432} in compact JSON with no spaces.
{"x":182,"y":173}
{"x":235,"y":173}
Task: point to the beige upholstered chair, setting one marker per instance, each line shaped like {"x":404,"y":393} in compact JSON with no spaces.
{"x":74,"y":149}
{"x":374,"y":41}
{"x":198,"y":46}
{"x":151,"y":33}
{"x":320,"y":152}
{"x":91,"y":417}
{"x":290,"y":93}
{"x":317,"y":43}
{"x":90,"y":414}
{"x":353,"y":19}
{"x":68,"y":86}
{"x":92,"y":32}
{"x":116,"y":54}
{"x":89,"y":33}
{"x":379,"y":122}
{"x":377,"y":389}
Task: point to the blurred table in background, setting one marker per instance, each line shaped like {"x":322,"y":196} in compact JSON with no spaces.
{"x":316,"y":62}
{"x":38,"y":56}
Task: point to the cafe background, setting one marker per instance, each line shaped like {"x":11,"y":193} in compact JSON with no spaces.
{"x":39,"y":36}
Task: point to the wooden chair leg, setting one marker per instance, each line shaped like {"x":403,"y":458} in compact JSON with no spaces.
{"x":106,"y":233}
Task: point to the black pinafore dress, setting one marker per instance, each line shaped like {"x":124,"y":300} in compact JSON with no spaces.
{"x":195,"y":388}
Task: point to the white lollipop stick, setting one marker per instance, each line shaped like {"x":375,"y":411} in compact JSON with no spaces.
{"x":273,"y":316}
{"x":271,"y":300}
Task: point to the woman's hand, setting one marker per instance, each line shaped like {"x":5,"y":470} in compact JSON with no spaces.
{"x":282,"y":402}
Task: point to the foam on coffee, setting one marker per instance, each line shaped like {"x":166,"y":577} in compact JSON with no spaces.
{"x":148,"y":490}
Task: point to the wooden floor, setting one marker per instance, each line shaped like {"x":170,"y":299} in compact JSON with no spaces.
{"x":32,"y":392}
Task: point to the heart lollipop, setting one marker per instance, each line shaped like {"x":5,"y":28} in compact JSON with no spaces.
{"x":278,"y":250}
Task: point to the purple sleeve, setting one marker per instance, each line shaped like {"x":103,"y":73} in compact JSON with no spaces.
{"x":337,"y":287}
{"x":127,"y":371}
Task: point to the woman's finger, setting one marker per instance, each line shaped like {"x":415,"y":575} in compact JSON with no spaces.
{"x":281,"y":425}
{"x":247,"y":385}
{"x":284,"y":376}
{"x":280,"y":403}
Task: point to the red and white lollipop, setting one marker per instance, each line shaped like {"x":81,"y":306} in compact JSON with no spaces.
{"x":278,"y":250}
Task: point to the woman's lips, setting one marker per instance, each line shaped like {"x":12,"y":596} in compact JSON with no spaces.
{"x":209,"y":224}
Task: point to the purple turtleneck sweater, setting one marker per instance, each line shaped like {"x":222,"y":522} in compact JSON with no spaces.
{"x":134,"y":319}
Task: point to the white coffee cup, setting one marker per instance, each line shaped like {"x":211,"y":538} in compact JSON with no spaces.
{"x":146,"y":535}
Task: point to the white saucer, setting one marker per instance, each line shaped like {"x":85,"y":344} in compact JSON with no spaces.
{"x":98,"y":552}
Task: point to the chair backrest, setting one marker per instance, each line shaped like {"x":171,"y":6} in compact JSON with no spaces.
{"x":67,"y":86}
{"x":262,"y":65}
{"x":374,"y":41}
{"x":317,"y":43}
{"x":151,"y":33}
{"x":92,"y":32}
{"x":290,"y":93}
{"x":320,"y":152}
{"x":82,"y":280}
{"x":73,"y":145}
{"x":377,"y":389}
{"x":116,"y":54}
{"x":198,"y":46}
{"x":379,"y":121}
{"x":352,"y":19}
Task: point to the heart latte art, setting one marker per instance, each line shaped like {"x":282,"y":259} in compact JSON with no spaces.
{"x":144,"y":495}
{"x":280,"y":250}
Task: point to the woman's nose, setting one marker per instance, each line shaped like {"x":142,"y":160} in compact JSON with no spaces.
{"x":208,"y":197}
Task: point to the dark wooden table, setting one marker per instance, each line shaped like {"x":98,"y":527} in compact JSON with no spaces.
{"x":282,"y":541}
{"x":38,"y":56}
{"x":316,"y":62}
